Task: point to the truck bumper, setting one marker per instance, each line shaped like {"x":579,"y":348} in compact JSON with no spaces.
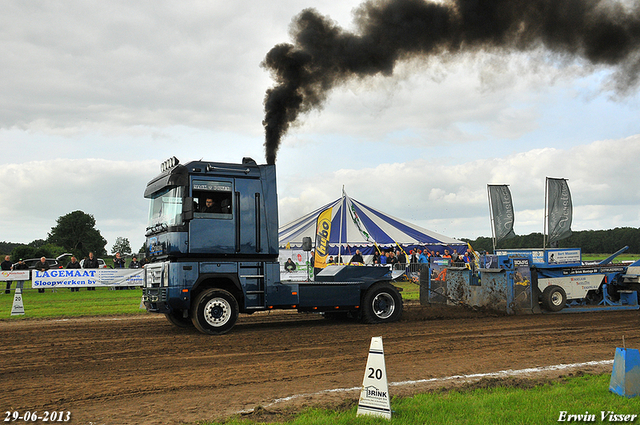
{"x":161,"y":300}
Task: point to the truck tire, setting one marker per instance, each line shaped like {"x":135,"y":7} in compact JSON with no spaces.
{"x":177,"y":318}
{"x":215,"y":311}
{"x":554,"y":298}
{"x":382,"y":303}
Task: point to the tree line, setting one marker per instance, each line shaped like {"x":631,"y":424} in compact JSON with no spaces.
{"x":589,"y":241}
{"x":74,"y":233}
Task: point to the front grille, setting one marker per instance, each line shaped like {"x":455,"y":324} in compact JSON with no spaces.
{"x":154,"y":275}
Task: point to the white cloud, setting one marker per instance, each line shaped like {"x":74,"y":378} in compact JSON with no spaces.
{"x":452,"y":199}
{"x":96,"y":94}
{"x":37,"y":193}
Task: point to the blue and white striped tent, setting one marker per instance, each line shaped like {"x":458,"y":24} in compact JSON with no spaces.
{"x":358,"y":226}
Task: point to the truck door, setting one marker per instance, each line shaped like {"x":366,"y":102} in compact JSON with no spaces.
{"x":228,"y":217}
{"x":213,"y":227}
{"x":250,"y":231}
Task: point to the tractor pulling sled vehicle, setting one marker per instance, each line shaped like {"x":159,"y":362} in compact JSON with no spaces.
{"x":213,"y":244}
{"x":525,"y":281}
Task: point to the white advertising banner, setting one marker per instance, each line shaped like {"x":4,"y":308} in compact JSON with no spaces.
{"x":76,"y":278}
{"x":14,"y":275}
{"x":564,"y":256}
{"x":299,"y":258}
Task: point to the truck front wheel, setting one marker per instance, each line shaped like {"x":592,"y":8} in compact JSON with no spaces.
{"x":215,"y":312}
{"x":554,"y":298}
{"x":382,"y":303}
{"x":176,"y":317}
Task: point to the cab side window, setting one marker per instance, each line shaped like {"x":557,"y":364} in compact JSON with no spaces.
{"x":212,"y":199}
{"x":213,"y":203}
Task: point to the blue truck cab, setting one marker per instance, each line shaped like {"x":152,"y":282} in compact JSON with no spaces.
{"x":212,"y":243}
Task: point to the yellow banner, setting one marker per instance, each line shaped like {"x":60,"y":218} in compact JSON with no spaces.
{"x":323,"y":232}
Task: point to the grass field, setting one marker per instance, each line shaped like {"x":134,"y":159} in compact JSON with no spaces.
{"x":102,"y":301}
{"x":618,"y":259}
{"x":64,"y":303}
{"x":489,"y":402}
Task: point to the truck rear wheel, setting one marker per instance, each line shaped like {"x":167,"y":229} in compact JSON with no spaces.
{"x":554,"y":298}
{"x":177,"y":318}
{"x":215,"y":312}
{"x":382,"y":303}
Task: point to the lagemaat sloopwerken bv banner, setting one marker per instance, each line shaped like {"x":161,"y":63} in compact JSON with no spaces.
{"x":77,"y":278}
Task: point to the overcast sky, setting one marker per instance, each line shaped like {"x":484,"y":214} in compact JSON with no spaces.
{"x":94,"y":95}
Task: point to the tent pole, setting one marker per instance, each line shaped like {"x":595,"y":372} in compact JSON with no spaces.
{"x":340,"y":236}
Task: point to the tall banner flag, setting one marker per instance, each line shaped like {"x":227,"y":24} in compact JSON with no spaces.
{"x":501,"y":211}
{"x":560,"y":209}
{"x":356,"y":220}
{"x":323,"y":232}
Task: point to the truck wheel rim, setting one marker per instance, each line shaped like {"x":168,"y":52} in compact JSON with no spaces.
{"x":217,"y":312}
{"x":556,"y":298}
{"x":383,"y":305}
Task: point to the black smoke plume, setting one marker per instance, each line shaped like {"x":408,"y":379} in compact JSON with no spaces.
{"x":324,"y":55}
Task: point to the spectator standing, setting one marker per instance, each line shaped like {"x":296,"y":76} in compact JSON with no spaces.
{"x":118,"y":261}
{"x":21,"y":265}
{"x":424,"y":257}
{"x":91,"y":263}
{"x":402,"y":257}
{"x":357,"y":258}
{"x":6,"y":265}
{"x":393,"y":260}
{"x":41,"y":266}
{"x":134,"y":264}
{"x":376,"y":257}
{"x":455,"y":257}
{"x":413,"y":255}
{"x":73,"y":264}
{"x":383,"y":257}
{"x":466,"y":258}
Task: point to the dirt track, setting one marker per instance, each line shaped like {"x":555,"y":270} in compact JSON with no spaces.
{"x":142,"y":370}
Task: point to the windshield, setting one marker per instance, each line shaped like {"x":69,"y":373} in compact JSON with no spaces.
{"x":166,"y":207}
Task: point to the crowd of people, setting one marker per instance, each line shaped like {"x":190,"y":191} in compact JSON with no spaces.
{"x":399,"y":257}
{"x":422,"y":256}
{"x":89,"y":262}
{"x":425,"y":256}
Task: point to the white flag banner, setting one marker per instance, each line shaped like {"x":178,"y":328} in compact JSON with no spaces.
{"x":77,"y":278}
{"x":501,"y":211}
{"x":560,"y":209}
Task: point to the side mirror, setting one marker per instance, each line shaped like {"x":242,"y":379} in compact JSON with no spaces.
{"x":187,"y":209}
